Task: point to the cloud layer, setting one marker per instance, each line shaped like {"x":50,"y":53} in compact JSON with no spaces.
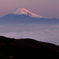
{"x":40,"y":32}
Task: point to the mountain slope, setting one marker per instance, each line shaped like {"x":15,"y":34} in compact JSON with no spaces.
{"x":23,"y":11}
{"x":23,"y":19}
{"x":26,"y":49}
{"x":23,"y":16}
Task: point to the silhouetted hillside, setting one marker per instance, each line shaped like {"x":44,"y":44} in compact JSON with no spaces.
{"x":11,"y":48}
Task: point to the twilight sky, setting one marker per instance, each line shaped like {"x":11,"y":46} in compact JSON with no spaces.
{"x":47,"y":8}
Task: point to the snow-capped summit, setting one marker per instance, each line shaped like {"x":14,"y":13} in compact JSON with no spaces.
{"x":23,"y":11}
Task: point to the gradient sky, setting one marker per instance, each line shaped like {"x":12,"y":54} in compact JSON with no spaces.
{"x":47,"y":8}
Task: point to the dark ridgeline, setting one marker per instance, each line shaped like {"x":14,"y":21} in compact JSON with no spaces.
{"x":11,"y":48}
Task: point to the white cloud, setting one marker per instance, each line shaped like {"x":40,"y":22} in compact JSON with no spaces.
{"x":46,"y":33}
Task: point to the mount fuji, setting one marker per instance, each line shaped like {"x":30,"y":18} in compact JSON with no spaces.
{"x":23,"y":16}
{"x":23,"y":11}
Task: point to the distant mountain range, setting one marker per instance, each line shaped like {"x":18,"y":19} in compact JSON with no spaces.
{"x":23,"y":16}
{"x":11,"y":48}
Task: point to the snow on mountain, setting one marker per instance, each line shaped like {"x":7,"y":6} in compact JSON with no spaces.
{"x":23,"y":11}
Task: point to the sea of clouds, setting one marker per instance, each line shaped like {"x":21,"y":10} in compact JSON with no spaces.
{"x":40,"y":32}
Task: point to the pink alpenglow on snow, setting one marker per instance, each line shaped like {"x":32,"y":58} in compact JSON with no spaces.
{"x":23,"y":11}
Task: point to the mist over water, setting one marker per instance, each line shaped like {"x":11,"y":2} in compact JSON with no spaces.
{"x":40,"y":32}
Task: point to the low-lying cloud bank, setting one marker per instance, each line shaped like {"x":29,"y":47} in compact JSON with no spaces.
{"x":41,"y":32}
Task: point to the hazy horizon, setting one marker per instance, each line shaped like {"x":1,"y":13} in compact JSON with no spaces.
{"x":42,"y":29}
{"x":40,"y":32}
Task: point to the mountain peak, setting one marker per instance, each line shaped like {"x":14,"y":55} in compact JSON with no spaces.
{"x":23,"y":11}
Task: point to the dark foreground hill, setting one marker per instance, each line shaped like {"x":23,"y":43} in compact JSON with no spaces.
{"x":26,"y":49}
